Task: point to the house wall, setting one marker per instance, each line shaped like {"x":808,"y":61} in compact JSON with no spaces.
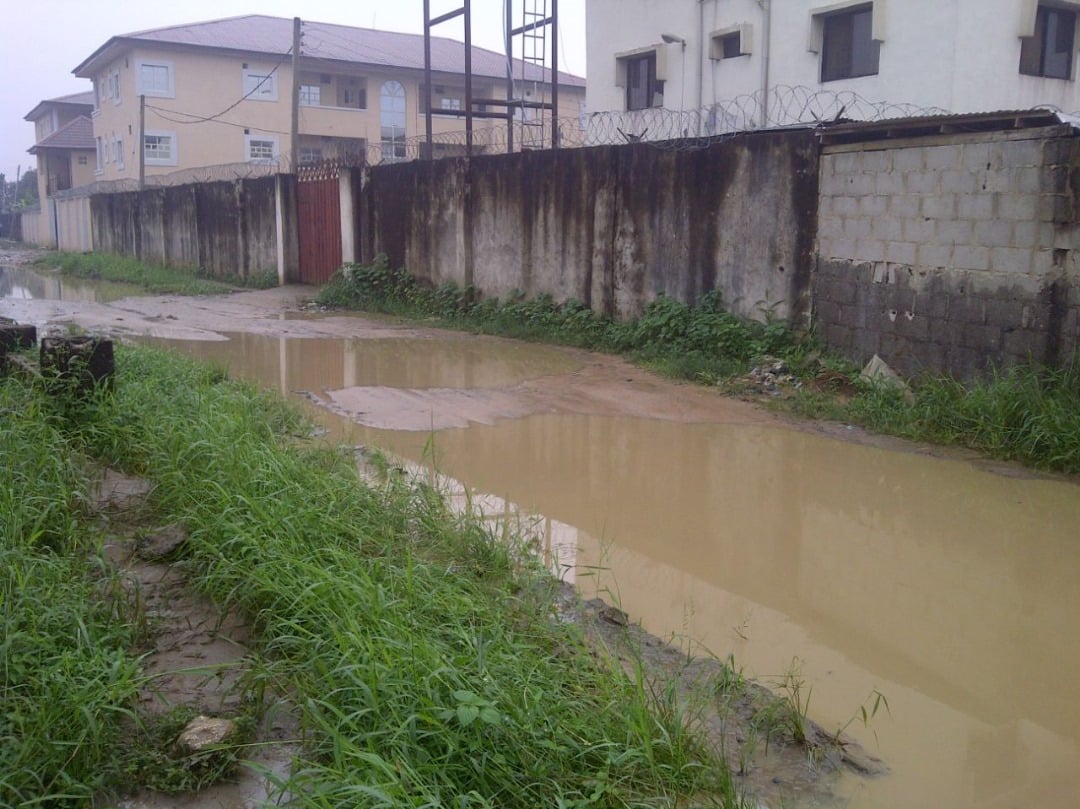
{"x":953,"y":253}
{"x":612,"y":227}
{"x":958,"y":55}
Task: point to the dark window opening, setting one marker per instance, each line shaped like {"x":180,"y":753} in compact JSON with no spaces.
{"x":731,"y":45}
{"x":848,"y":49}
{"x":1049,"y":53}
{"x":642,"y":88}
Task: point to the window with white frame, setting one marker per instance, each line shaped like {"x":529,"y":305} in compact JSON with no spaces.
{"x":118,"y":152}
{"x":352,"y":92}
{"x":1049,"y":53}
{"x":309,"y":154}
{"x":311,"y":95}
{"x":261,"y":148}
{"x":155,"y":78}
{"x":100,"y":147}
{"x":159,"y":148}
{"x":114,"y":86}
{"x":260,"y":85}
{"x":451,"y":103}
{"x":730,"y":43}
{"x":848,"y":47}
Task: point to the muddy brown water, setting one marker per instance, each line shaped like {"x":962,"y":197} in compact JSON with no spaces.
{"x":948,"y":587}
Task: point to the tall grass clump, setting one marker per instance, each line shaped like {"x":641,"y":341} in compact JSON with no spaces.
{"x":424,"y":656}
{"x":1027,"y":413}
{"x":151,"y":277}
{"x":67,"y":680}
{"x":702,"y":342}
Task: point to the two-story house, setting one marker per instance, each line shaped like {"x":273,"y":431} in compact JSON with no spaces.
{"x":955,"y":55}
{"x":65,"y":152}
{"x":220,"y":92}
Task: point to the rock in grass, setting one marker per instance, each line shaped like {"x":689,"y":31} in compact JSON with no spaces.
{"x":203,"y":732}
{"x":162,"y":543}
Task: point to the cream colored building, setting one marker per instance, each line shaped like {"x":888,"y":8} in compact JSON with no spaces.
{"x":220,"y":92}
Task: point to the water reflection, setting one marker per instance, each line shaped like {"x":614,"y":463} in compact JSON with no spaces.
{"x":24,"y":284}
{"x":949,"y":589}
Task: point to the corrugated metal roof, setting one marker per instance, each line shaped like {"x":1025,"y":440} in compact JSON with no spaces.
{"x":75,"y":134}
{"x":945,"y":124}
{"x":257,"y":33}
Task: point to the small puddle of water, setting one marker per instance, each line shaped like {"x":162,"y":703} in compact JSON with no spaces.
{"x":24,"y":284}
{"x":949,"y":589}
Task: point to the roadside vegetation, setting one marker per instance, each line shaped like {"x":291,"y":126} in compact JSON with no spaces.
{"x":153,"y":278}
{"x":1029,"y":414}
{"x":426,"y":658}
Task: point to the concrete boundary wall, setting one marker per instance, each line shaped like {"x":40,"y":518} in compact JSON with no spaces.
{"x":951,"y":253}
{"x":225,"y":228}
{"x":612,"y":227}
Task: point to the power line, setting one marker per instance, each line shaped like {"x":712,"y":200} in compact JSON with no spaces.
{"x":165,"y":115}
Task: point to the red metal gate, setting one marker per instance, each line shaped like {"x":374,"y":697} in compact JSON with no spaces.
{"x":318,"y":206}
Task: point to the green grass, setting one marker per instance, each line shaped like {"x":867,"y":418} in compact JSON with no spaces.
{"x":1028,"y":414}
{"x":153,"y":278}
{"x":67,"y":680}
{"x":424,"y":656}
{"x":703,"y":342}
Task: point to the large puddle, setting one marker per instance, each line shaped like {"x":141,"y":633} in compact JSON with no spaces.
{"x":949,"y":589}
{"x":24,"y":284}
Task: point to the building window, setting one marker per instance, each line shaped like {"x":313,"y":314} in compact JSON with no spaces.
{"x":643,"y":90}
{"x":730,"y":45}
{"x":114,"y":86}
{"x":159,"y":148}
{"x":261,"y":148}
{"x":82,"y":160}
{"x":309,"y":154}
{"x":848,"y":49}
{"x":1049,"y":53}
{"x":260,"y":86}
{"x":392,"y":121}
{"x":311,"y":95}
{"x":100,"y":148}
{"x":352,"y":93}
{"x":118,"y":152}
{"x":155,"y":79}
{"x":451,"y":103}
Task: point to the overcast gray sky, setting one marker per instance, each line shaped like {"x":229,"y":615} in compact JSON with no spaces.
{"x":44,"y":39}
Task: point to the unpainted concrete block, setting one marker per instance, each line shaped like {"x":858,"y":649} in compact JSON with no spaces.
{"x":889,"y":182}
{"x":1011,"y":260}
{"x":993,"y":233}
{"x":940,"y":158}
{"x":939,"y":206}
{"x":920,"y":230}
{"x":1023,"y":153}
{"x":909,"y":160}
{"x":888,"y":229}
{"x":934,"y":255}
{"x":901,"y":252}
{"x":975,"y":206}
{"x":923,"y":183}
{"x":905,"y":206}
{"x":958,"y":181}
{"x":957,"y":232}
{"x":873,"y":205}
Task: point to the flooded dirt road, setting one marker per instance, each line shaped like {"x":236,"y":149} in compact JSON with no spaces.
{"x":946,"y":586}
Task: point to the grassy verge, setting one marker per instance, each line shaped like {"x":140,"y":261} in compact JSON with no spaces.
{"x":424,"y":657}
{"x":153,"y":278}
{"x":1029,"y":414}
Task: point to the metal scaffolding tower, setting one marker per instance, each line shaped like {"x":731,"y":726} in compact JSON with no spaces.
{"x":535,"y":25}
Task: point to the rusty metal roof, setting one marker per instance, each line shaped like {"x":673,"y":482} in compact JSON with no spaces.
{"x":257,"y":33}
{"x":847,"y":131}
{"x":75,"y":134}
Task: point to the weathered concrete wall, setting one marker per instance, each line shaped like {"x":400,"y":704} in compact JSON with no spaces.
{"x":73,"y":224}
{"x":952,"y":253}
{"x":610,"y":226}
{"x":225,"y":228}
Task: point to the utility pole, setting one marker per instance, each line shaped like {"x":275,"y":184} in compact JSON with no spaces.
{"x":294,"y":130}
{"x":142,"y":142}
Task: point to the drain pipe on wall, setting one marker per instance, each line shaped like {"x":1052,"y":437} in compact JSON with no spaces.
{"x":766,"y":36}
{"x":700,"y":62}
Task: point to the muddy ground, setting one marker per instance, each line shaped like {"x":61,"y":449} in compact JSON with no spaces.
{"x":191,"y":634}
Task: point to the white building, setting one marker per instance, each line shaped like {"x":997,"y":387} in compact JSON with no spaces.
{"x":954,"y":55}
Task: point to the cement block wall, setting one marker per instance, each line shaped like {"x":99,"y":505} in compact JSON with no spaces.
{"x":951,"y":253}
{"x":612,"y":227}
{"x":225,"y":228}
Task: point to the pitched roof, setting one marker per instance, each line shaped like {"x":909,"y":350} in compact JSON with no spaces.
{"x":257,"y":33}
{"x":75,"y":134}
{"x":78,"y":99}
